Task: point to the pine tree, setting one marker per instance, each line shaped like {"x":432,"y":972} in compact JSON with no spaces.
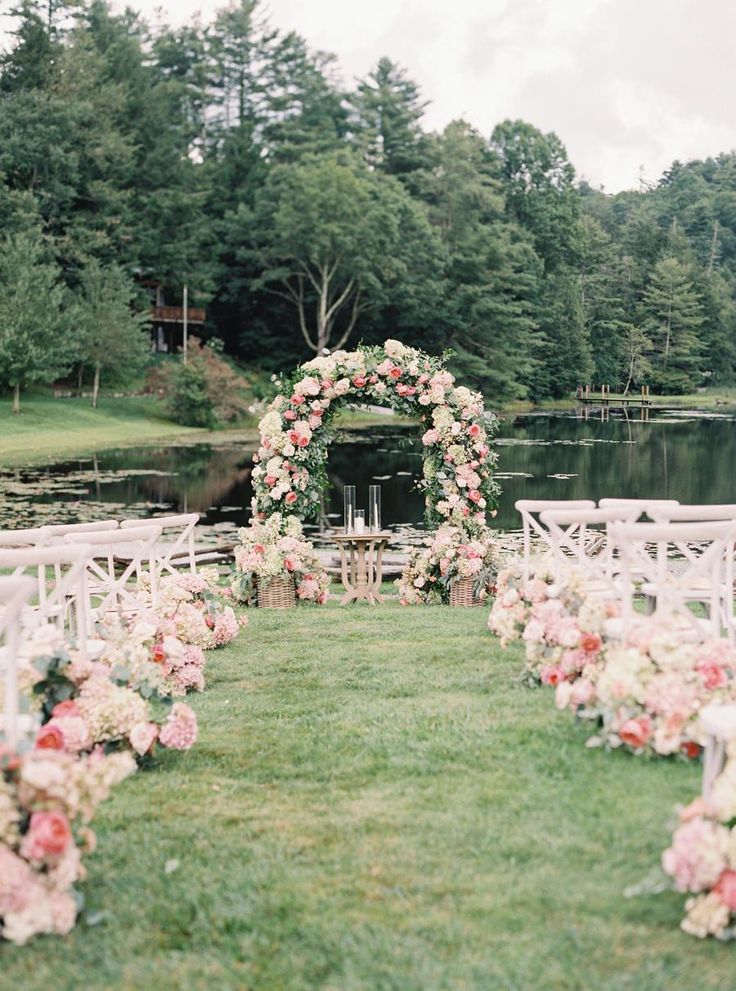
{"x":673,"y":314}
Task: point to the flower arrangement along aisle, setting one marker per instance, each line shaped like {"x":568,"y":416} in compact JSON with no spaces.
{"x":449,"y":555}
{"x":643,"y":692}
{"x":276,"y":548}
{"x":117,"y":703}
{"x":702,"y":858}
{"x":562,"y":628}
{"x":289,"y":472}
{"x":47,"y":799}
{"x":189,"y":607}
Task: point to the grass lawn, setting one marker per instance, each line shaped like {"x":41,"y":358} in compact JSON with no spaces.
{"x":376,"y":804}
{"x":49,"y":428}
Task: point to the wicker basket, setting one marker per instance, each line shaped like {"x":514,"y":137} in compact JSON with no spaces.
{"x":461,"y":593}
{"x":277,"y":594}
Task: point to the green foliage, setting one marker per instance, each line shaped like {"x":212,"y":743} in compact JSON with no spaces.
{"x":673,"y":314}
{"x":230,"y":157}
{"x":189,"y":402}
{"x":110,"y":337}
{"x":33,"y":344}
{"x":205,"y":391}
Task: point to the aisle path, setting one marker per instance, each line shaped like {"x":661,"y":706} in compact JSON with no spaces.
{"x":376,"y":803}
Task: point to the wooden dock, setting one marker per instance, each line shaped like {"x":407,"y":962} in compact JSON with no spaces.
{"x":589,"y":397}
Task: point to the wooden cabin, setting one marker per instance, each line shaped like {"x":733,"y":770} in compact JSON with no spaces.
{"x":167,"y":322}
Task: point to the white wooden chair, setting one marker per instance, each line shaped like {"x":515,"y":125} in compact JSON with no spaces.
{"x":15,"y":593}
{"x":718,"y":722}
{"x":42,"y":535}
{"x":531,"y":510}
{"x":580,"y":537}
{"x":646,"y":507}
{"x":171,"y":552}
{"x":694,"y":514}
{"x":670,"y":559}
{"x":64,"y":601}
{"x":113,"y":558}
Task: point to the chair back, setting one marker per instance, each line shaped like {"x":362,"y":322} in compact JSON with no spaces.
{"x":680,"y":563}
{"x":181,"y":527}
{"x":113,"y":559}
{"x":531,"y":510}
{"x":15,"y":593}
{"x":64,"y":600}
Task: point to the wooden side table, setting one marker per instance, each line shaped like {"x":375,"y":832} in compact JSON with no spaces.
{"x":361,"y":565}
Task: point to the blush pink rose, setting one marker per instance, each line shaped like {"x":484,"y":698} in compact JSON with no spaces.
{"x":290,"y":414}
{"x":67,"y":708}
{"x":48,"y":836}
{"x":636,"y":732}
{"x":49,"y":738}
{"x":290,"y":498}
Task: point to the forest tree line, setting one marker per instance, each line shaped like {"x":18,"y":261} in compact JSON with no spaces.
{"x":231,"y":157}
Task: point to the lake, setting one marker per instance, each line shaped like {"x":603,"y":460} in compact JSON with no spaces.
{"x":690,"y":456}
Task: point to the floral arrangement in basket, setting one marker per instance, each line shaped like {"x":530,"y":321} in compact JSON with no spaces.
{"x":190,"y":608}
{"x":289,"y":472}
{"x":117,"y":702}
{"x":701,"y":859}
{"x":276,"y":548}
{"x":47,"y":800}
{"x":450,"y":555}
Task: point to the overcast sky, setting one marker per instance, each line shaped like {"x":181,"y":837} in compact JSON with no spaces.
{"x":625,"y":83}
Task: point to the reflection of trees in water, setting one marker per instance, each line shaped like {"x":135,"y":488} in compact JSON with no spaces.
{"x":201,"y":477}
{"x":691,"y":460}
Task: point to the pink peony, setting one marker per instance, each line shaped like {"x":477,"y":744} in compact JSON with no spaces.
{"x":48,"y":836}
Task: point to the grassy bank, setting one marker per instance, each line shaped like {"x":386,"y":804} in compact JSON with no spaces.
{"x":376,"y":804}
{"x":48,"y":428}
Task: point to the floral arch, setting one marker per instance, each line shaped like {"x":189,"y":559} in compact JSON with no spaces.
{"x":296,"y":431}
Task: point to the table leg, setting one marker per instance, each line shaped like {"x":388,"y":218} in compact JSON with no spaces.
{"x":347,"y":575}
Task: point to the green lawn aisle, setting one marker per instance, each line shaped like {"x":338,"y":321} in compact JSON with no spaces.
{"x":376,"y":803}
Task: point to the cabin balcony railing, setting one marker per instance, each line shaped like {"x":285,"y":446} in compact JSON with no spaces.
{"x":175,"y":314}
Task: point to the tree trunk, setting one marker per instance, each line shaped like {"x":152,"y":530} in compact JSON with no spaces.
{"x":96,"y":385}
{"x":80,"y":377}
{"x":16,"y":399}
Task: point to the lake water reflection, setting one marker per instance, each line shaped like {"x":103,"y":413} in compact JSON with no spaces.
{"x":685,"y":456}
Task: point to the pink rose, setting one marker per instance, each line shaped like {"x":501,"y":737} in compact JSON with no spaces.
{"x":359,"y":381}
{"x":49,"y":738}
{"x":712,"y":674}
{"x":297,"y":400}
{"x":474,"y":430}
{"x":303,"y":442}
{"x":67,"y":708}
{"x":591,"y":643}
{"x":290,"y":414}
{"x":636,"y":732}
{"x":48,"y":836}
{"x":290,"y":498}
{"x":395,"y":372}
{"x":552,"y":675}
{"x":474,"y":495}
{"x":725,"y":888}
